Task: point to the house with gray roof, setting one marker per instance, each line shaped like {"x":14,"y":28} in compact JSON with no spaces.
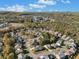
{"x":3,"y":25}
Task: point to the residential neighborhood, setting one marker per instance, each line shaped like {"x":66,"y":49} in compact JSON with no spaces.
{"x":37,"y":38}
{"x":39,"y":29}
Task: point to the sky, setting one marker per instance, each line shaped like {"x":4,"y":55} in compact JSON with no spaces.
{"x":39,"y":5}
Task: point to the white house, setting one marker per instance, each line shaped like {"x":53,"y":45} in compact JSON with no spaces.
{"x":21,"y":56}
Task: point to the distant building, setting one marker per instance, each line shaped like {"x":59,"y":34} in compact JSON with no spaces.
{"x":39,"y":19}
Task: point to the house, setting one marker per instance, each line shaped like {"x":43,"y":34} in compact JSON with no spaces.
{"x":52,"y":20}
{"x":49,"y":56}
{"x":62,"y":54}
{"x":48,"y":46}
{"x":19,"y":39}
{"x":53,"y":45}
{"x":18,"y":48}
{"x":59,"y":34}
{"x":67,"y":38}
{"x":18,"y":51}
{"x":1,"y":46}
{"x":63,"y":37}
{"x":59,"y":42}
{"x":72,"y":43}
{"x":46,"y":19}
{"x":18,"y":45}
{"x":12,"y":34}
{"x":38,"y":48}
{"x":38,"y":34}
{"x":70,"y":51}
{"x":44,"y":57}
{"x":21,"y":56}
{"x":71,"y":40}
{"x":56,"y":33}
{"x":34,"y":42}
{"x":3,"y":25}
{"x":56,"y":39}
{"x":37,"y":18}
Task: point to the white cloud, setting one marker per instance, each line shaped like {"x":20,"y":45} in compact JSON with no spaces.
{"x":40,"y":4}
{"x":51,"y":10}
{"x":16,"y":8}
{"x":66,"y":1}
{"x":47,"y":2}
{"x":37,"y":6}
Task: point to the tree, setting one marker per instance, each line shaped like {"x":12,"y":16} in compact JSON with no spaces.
{"x":46,"y":38}
{"x":1,"y":57}
{"x":6,"y":39}
{"x":8,"y":52}
{"x":38,"y":58}
{"x":11,"y":56}
{"x":28,"y":57}
{"x":77,"y":57}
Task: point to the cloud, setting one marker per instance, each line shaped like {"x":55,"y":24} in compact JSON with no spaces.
{"x":66,"y":1}
{"x":15,"y":8}
{"x":51,"y":10}
{"x":37,"y":6}
{"x":47,"y":2}
{"x":42,"y":4}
